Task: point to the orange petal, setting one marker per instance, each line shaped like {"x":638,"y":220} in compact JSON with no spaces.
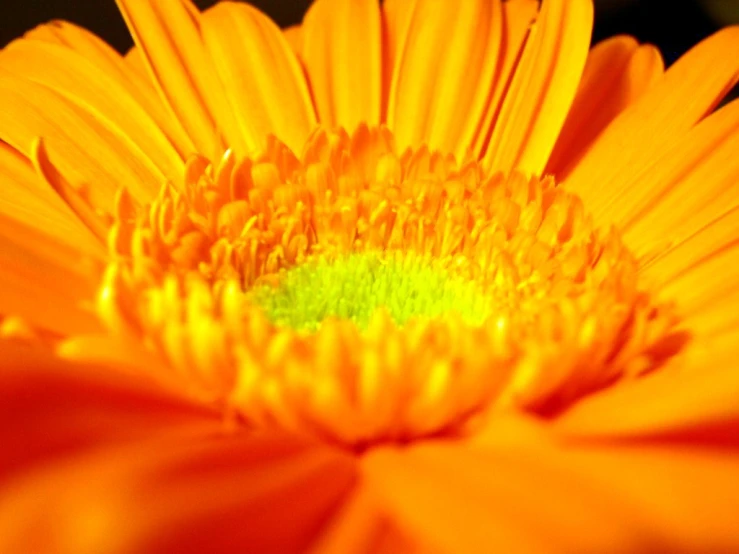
{"x":242,"y":492}
{"x":294,"y":36}
{"x":95,"y":92}
{"x":543,"y":87}
{"x":453,"y":497}
{"x":52,"y":408}
{"x":617,"y":73}
{"x":44,"y":280}
{"x":396,"y":16}
{"x":89,"y":150}
{"x":271,"y":96}
{"x":697,"y":406}
{"x":135,"y":60}
{"x":168,"y":35}
{"x":689,"y":90}
{"x":26,"y":199}
{"x":686,"y":495}
{"x":109,"y":62}
{"x":518,"y":18}
{"x":446,"y":62}
{"x":691,"y":185}
{"x":701,"y":275}
{"x":342,"y":55}
{"x":360,"y":527}
{"x":681,"y":216}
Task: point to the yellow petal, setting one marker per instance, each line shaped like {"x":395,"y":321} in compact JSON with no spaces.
{"x":94,"y":91}
{"x":168,"y":35}
{"x":543,"y":87}
{"x":342,"y":54}
{"x":688,"y":91}
{"x":263,"y":80}
{"x":446,"y":62}
{"x":617,"y":73}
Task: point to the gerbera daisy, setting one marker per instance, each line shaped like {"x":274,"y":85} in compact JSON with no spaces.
{"x":422,"y":276}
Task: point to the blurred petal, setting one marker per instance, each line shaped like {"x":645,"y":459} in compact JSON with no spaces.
{"x":617,"y":73}
{"x":687,"y":496}
{"x":342,"y":54}
{"x":698,"y":406}
{"x":294,"y":37}
{"x":52,"y":408}
{"x":103,"y":465}
{"x":271,"y":97}
{"x":461,"y":499}
{"x":543,"y":87}
{"x":535,"y":492}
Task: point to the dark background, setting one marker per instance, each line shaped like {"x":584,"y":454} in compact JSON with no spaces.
{"x":673,"y":25}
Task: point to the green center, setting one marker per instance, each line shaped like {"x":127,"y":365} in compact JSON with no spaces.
{"x":354,"y":286}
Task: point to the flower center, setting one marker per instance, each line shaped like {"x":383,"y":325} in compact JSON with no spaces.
{"x":363,"y":295}
{"x":353,"y":286}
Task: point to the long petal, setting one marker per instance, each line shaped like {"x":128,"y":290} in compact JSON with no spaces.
{"x":680,"y":216}
{"x":28,"y":200}
{"x":263,"y":80}
{"x":617,"y":73}
{"x":689,"y":90}
{"x":701,"y":276}
{"x":342,"y":53}
{"x":168,"y":35}
{"x":108,"y":61}
{"x":94,"y":91}
{"x":87,"y":147}
{"x":543,"y":88}
{"x":518,"y":17}
{"x":446,"y":62}
{"x":691,"y":185}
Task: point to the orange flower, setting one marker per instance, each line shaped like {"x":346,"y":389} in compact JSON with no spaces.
{"x":418,"y":277}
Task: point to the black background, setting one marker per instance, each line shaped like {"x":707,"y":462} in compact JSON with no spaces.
{"x":673,"y":25}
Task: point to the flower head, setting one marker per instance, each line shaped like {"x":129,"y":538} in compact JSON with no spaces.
{"x":419,"y":276}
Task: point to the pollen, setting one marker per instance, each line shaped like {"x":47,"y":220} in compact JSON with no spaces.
{"x":363,"y":295}
{"x":354,"y":286}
